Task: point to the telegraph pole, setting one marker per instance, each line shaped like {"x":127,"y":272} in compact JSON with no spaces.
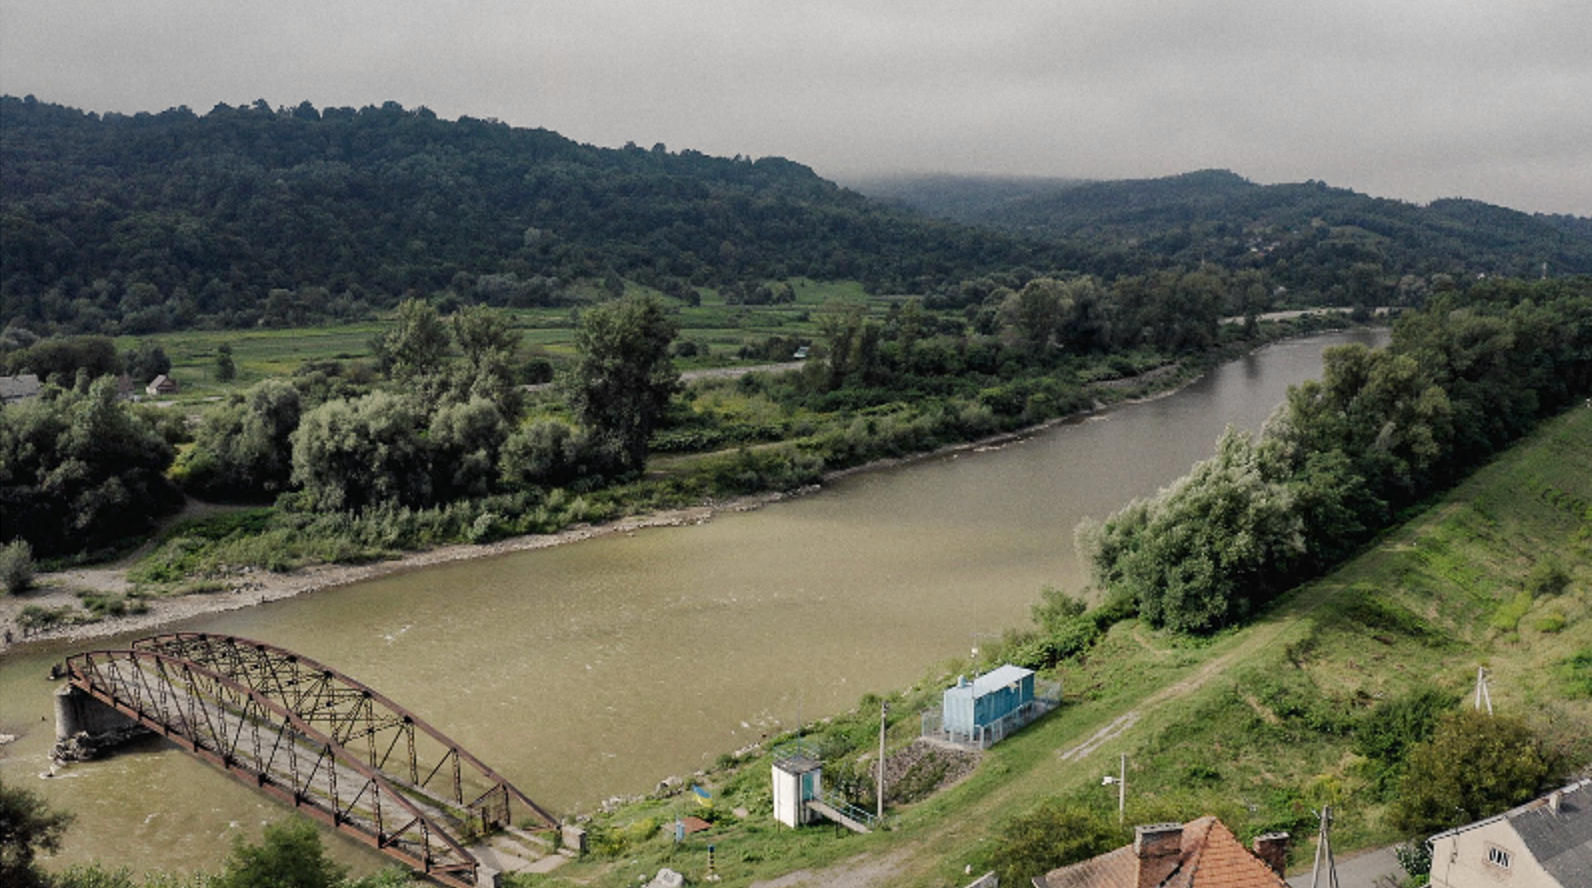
{"x":884,"y":707}
{"x":1121,"y":780}
{"x":1324,"y":852}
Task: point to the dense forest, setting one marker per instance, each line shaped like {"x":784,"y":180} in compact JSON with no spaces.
{"x":254,"y":215}
{"x":259,"y":216}
{"x":1308,"y":236}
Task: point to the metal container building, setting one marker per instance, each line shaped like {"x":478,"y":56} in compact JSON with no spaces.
{"x":982,"y":711}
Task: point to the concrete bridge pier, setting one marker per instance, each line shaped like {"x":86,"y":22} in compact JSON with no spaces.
{"x":84,"y":727}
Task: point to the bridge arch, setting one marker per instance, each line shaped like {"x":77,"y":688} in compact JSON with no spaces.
{"x":317,"y":739}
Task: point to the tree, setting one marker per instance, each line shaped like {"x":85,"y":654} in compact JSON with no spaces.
{"x":244,"y":449}
{"x":623,"y":377}
{"x":546,"y":452}
{"x":1052,"y":835}
{"x":348,"y":455}
{"x":81,"y":470}
{"x":1206,"y":551}
{"x":487,"y":338}
{"x":289,"y":856}
{"x":1475,"y":765}
{"x":146,"y":362}
{"x":16,"y":567}
{"x":465,"y":440}
{"x":226,"y":370}
{"x":415,"y":344}
{"x":27,"y":826}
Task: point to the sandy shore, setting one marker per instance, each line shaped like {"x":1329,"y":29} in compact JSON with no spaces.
{"x":258,"y":587}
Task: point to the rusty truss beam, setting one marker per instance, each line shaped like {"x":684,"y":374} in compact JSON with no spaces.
{"x":315,"y":738}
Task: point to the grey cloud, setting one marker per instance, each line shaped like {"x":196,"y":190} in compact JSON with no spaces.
{"x":1417,"y":99}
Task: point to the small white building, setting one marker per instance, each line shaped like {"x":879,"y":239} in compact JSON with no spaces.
{"x":798,"y":779}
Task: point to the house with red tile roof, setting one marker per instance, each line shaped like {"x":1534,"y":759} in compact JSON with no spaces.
{"x":1202,"y":853}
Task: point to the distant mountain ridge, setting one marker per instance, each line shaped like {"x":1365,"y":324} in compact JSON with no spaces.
{"x":1219,"y":216}
{"x":253,"y":215}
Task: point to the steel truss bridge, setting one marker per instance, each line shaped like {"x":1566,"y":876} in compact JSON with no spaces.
{"x":316,"y":739}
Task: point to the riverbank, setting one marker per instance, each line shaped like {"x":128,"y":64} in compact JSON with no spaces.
{"x":63,"y":591}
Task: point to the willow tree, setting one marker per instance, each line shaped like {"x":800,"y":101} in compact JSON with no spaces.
{"x":622,"y":378}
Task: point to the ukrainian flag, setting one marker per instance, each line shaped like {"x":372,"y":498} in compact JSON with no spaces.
{"x":703,"y":797}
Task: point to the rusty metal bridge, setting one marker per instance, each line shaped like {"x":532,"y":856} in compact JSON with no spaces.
{"x":317,"y":739}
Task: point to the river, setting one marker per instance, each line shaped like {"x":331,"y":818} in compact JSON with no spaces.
{"x":598,"y":668}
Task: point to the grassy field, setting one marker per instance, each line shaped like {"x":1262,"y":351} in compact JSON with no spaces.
{"x":547,"y":332}
{"x":1254,"y":725}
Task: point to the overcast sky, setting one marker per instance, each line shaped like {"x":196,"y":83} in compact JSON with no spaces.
{"x":1414,"y":99}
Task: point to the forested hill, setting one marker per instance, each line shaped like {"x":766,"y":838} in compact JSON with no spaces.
{"x":1295,"y":230}
{"x":250,"y":214}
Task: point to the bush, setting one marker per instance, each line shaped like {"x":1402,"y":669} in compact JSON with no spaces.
{"x":1475,"y":765}
{"x":1053,"y":835}
{"x":16,"y":567}
{"x":1547,"y":577}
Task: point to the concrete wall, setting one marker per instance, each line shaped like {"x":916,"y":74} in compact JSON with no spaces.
{"x":76,"y":712}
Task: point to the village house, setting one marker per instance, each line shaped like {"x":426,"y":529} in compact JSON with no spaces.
{"x":161,"y":385}
{"x":1202,"y":853}
{"x":1545,"y":843}
{"x":19,"y":388}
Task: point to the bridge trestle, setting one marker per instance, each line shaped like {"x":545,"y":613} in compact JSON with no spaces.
{"x":315,"y":738}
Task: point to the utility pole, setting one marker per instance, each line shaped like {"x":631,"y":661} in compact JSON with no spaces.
{"x":1121,"y":780}
{"x":1324,"y":852}
{"x":1483,"y":695}
{"x":884,"y":707}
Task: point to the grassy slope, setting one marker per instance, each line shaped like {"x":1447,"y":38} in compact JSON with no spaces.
{"x":1253,"y":724}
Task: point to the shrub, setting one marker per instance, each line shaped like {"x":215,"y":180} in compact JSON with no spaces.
{"x":1547,"y":577}
{"x":1507,"y":617}
{"x":16,"y":567}
{"x":1474,"y":766}
{"x":1052,"y":835}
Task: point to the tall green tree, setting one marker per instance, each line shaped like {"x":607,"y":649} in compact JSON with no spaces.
{"x":622,"y":377}
{"x":81,"y":470}
{"x":226,"y":369}
{"x":243,"y":450}
{"x":1206,"y":551}
{"x":27,"y":826}
{"x":487,"y":339}
{"x":290,"y":855}
{"x":415,"y":344}
{"x":350,"y":455}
